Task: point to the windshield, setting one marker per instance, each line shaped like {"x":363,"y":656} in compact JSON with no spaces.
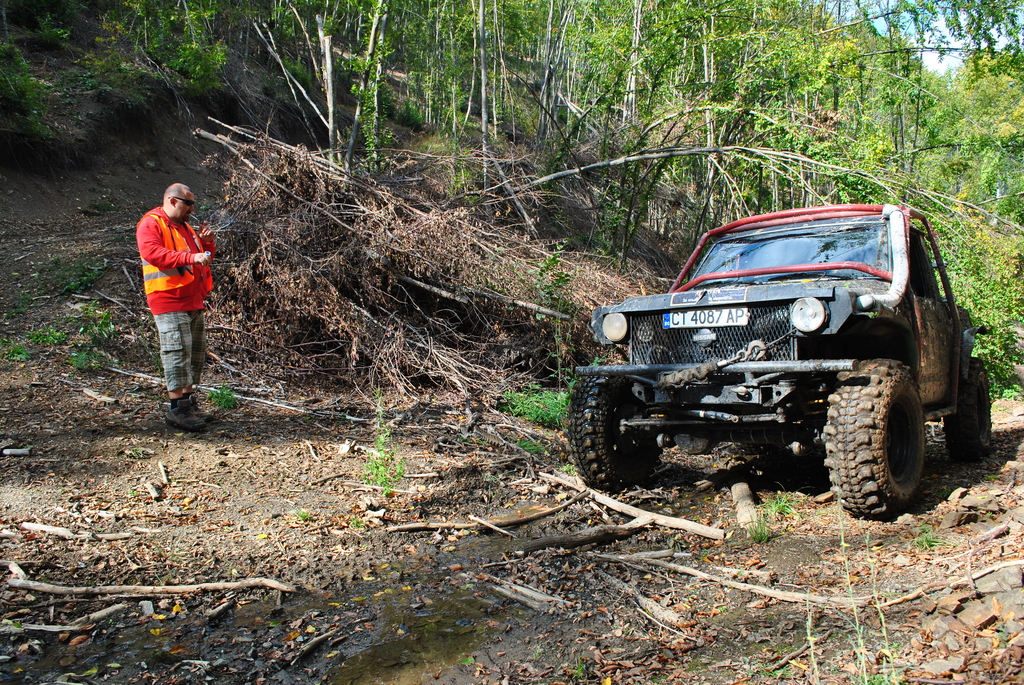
{"x":864,"y":240}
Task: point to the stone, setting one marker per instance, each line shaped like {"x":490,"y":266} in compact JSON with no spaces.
{"x":958,"y":518}
{"x":1012,"y":626}
{"x":1003,"y":580}
{"x":1011,"y":602}
{"x":147,"y":607}
{"x":950,"y":604}
{"x":940,"y":666}
{"x":900,"y":560}
{"x":907,"y":520}
{"x":952,"y":643}
{"x":938,"y":627}
{"x":956,"y":495}
{"x":983,"y":503}
{"x":824,"y":497}
{"x":978,"y":615}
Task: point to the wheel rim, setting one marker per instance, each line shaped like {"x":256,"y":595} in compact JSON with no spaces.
{"x":901,"y":444}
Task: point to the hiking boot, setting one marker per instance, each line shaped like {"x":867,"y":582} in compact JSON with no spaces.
{"x":202,"y":415}
{"x":183,"y":417}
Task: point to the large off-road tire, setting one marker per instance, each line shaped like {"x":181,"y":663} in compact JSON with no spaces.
{"x":607,"y":458}
{"x":969,"y":430}
{"x":874,"y":439}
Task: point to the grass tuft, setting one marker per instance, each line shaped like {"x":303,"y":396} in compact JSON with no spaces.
{"x":544,"y":407}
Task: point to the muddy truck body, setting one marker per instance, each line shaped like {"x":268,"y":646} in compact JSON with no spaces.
{"x":827,"y":327}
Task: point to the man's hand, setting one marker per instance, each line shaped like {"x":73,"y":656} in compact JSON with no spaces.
{"x":204,"y":232}
{"x":202,"y":258}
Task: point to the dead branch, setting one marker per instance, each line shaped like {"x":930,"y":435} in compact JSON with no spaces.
{"x":84,"y":623}
{"x":797,"y":653}
{"x":588,"y":536}
{"x":503,"y":523}
{"x":248,"y":583}
{"x":746,"y":507}
{"x":660,"y":613}
{"x":621,"y":507}
{"x":796,"y":597}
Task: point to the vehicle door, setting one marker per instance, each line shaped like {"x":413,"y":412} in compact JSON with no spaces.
{"x":935,"y":340}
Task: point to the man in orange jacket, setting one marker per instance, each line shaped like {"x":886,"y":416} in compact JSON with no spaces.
{"x":176,"y":274}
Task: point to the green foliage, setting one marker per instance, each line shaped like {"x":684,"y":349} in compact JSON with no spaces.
{"x":84,"y":359}
{"x":409,"y":115}
{"x":47,"y":335}
{"x":97,"y":324}
{"x":223,"y":397}
{"x":22,"y":97}
{"x":383,"y":468}
{"x":79,"y":276}
{"x":50,"y":36}
{"x":760,"y":530}
{"x":779,"y":504}
{"x":531,"y":446}
{"x":303,"y":515}
{"x":544,"y":407}
{"x":13,"y":351}
{"x":927,"y":539}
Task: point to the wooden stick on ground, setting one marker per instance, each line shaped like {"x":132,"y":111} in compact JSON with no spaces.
{"x":797,"y":653}
{"x":503,"y":523}
{"x":659,"y":519}
{"x":660,"y":613}
{"x":248,"y":583}
{"x":493,"y":527}
{"x":84,"y":623}
{"x":588,"y":536}
{"x":796,"y":597}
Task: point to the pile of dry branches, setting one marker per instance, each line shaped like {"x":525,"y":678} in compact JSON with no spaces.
{"x":386,"y":280}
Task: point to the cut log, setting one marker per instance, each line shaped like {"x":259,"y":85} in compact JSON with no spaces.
{"x":621,"y":507}
{"x":746,"y":506}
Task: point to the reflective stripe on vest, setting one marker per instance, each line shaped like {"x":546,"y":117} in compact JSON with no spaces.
{"x":156,"y":280}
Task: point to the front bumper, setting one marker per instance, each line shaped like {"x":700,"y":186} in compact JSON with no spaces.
{"x":653,"y":370}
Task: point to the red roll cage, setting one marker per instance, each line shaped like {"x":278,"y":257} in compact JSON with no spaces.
{"x":788,"y":216}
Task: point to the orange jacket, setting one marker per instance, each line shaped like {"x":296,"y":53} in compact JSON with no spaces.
{"x":156,"y":279}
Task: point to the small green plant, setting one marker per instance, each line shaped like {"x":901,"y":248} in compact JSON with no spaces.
{"x":80,"y":277}
{"x":50,"y":36}
{"x":530,"y":446}
{"x":102,"y":206}
{"x":760,"y":530}
{"x":356,"y":523}
{"x":383,"y":468}
{"x":136,"y":453}
{"x":544,"y":407}
{"x":97,"y":324}
{"x":779,"y":504}
{"x":303,"y":515}
{"x":13,"y":352}
{"x":86,"y":359}
{"x":568,"y":468}
{"x":927,"y":539}
{"x":47,"y":336}
{"x":223,"y":397}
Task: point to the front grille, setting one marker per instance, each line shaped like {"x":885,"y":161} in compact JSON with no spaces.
{"x":650,"y":343}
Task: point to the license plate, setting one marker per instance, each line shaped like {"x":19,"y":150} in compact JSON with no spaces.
{"x":706,"y":318}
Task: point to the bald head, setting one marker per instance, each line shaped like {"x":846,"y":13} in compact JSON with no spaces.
{"x":178,"y":202}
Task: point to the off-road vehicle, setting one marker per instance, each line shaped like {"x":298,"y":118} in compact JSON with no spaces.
{"x":831,"y":326}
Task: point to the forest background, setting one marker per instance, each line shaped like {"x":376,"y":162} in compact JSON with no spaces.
{"x":713,"y":109}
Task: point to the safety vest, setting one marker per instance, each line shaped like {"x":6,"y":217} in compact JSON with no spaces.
{"x":154,"y":278}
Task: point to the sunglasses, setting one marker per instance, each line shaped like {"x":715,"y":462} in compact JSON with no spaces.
{"x":190,"y":203}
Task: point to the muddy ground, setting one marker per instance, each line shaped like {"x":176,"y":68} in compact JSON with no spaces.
{"x":272,"y":490}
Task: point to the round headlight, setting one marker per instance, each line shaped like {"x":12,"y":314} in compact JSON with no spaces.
{"x":615,"y":326}
{"x":808,"y":314}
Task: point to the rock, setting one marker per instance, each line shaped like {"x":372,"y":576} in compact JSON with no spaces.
{"x":956,"y":495}
{"x":940,"y":666}
{"x":1013,"y":466}
{"x":147,"y":607}
{"x":901,"y":560}
{"x":907,"y":520}
{"x":950,"y":604}
{"x":1012,"y":602}
{"x":978,"y":615}
{"x":1003,"y":580}
{"x":1012,"y":627}
{"x":825,"y":497}
{"x":958,"y":518}
{"x":983,"y":503}
{"x":938,"y":627}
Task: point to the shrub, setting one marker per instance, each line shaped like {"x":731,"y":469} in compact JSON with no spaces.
{"x":543,"y":407}
{"x":223,"y":397}
{"x":47,"y":336}
{"x":22,"y":101}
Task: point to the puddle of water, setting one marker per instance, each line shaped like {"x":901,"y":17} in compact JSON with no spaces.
{"x":411,"y":634}
{"x":417,"y":642}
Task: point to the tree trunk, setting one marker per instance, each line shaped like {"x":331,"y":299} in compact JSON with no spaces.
{"x":484,"y":142}
{"x":380,"y":10}
{"x":328,"y":76}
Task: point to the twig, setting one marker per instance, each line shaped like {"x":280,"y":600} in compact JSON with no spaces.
{"x":152,"y":490}
{"x":504,"y":523}
{"x":796,"y":597}
{"x":14,"y":568}
{"x":314,"y":643}
{"x":163,"y":473}
{"x":660,"y":613}
{"x":518,"y":597}
{"x":248,"y":583}
{"x":797,"y":653}
{"x":219,"y":610}
{"x":491,"y":526}
{"x":84,"y":623}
